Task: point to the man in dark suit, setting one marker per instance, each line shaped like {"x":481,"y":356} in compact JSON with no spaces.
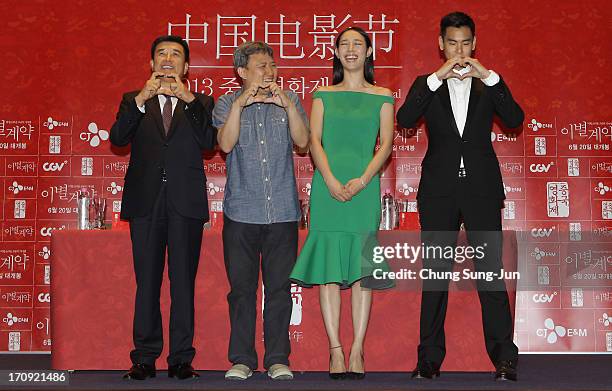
{"x":461,"y":182}
{"x":164,"y":199}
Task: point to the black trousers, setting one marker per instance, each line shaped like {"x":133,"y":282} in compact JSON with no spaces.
{"x":151,"y":235}
{"x":440,"y":219}
{"x":243,"y":246}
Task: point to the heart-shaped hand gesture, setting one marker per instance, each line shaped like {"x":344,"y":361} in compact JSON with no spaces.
{"x":278,"y":96}
{"x":250,"y":95}
{"x":172,"y":85}
{"x":447,"y":71}
{"x":476,"y":69}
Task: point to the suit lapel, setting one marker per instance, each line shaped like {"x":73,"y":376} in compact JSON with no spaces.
{"x":475,"y":93}
{"x":152,"y":106}
{"x":446,"y":103}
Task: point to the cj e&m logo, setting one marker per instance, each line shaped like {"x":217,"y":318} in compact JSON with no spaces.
{"x":554,"y":332}
{"x":536,"y":125}
{"x":51,"y":124}
{"x":16,"y":188}
{"x":11,"y":319}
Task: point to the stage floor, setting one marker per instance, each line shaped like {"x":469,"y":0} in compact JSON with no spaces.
{"x":536,"y":372}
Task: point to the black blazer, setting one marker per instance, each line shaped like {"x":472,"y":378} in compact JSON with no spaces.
{"x":445,"y":145}
{"x":179,"y":154}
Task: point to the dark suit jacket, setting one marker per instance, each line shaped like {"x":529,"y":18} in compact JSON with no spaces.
{"x":445,"y":145}
{"x":179,"y":154}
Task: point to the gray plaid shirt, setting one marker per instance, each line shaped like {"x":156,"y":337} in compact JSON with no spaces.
{"x":260,"y":187}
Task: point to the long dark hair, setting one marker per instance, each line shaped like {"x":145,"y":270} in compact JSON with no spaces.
{"x":368,"y":67}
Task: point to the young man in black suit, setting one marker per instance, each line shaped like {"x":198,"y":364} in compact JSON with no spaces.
{"x":461,"y":182}
{"x":164,"y":198}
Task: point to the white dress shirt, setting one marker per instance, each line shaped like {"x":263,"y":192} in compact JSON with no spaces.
{"x":162,"y":102}
{"x":459,"y":92}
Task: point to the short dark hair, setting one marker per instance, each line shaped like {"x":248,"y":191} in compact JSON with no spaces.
{"x":246,"y":49}
{"x":368,"y":66}
{"x":457,"y":19}
{"x":170,"y":38}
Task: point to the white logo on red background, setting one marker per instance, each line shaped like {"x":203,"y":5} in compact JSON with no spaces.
{"x":543,"y":297}
{"x":46,"y":231}
{"x":55,"y":145}
{"x":510,"y":189}
{"x":540,"y":167}
{"x":535,"y":125}
{"x":407,"y":190}
{"x":502,"y":137}
{"x":51,"y":124}
{"x":11,"y":319}
{"x":606,"y":210}
{"x":551,"y":331}
{"x":15,"y":188}
{"x":93,"y":135}
{"x":558,"y":199}
{"x":573,"y":166}
{"x":114,"y":188}
{"x":306,"y":189}
{"x":214,"y":189}
{"x":44,"y":298}
{"x":19,"y":211}
{"x":538,"y":253}
{"x":539,"y":145}
{"x":53,"y":166}
{"x":605,"y":319}
{"x":87,"y":166}
{"x":509,"y":210}
{"x":541,"y":232}
{"x":601,"y":188}
{"x":45,"y":253}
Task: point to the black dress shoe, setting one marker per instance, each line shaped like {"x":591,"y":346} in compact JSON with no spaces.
{"x":355,"y":375}
{"x":337,"y":375}
{"x":506,"y":370}
{"x":182,"y":371}
{"x":140,"y":372}
{"x":426,"y":370}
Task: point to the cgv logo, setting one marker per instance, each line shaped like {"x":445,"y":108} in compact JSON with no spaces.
{"x":543,"y":298}
{"x":46,"y":231}
{"x":541,"y":232}
{"x":51,"y":166}
{"x":44,"y":298}
{"x":540,"y":167}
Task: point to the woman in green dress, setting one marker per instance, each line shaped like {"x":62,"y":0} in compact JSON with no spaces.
{"x":345,"y":121}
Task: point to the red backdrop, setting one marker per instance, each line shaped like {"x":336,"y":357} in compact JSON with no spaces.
{"x":68,"y":63}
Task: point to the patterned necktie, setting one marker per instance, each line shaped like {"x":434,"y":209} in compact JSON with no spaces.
{"x":167,"y":114}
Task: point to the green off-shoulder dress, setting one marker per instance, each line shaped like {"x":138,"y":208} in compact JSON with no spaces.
{"x":339,"y":245}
